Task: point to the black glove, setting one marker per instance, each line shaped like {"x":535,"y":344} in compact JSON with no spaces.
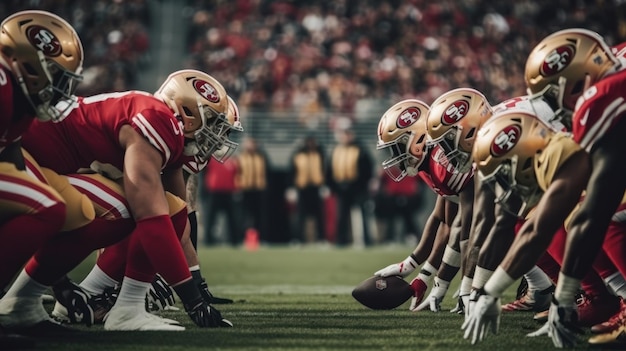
{"x":204,"y":290}
{"x":200,"y":312}
{"x":160,"y":295}
{"x":76,"y":300}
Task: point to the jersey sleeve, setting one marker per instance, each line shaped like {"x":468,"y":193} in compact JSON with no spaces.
{"x":162,"y":132}
{"x":560,"y":148}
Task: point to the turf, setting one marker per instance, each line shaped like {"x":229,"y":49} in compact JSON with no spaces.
{"x":299,"y":299}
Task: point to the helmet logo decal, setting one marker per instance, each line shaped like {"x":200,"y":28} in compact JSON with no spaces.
{"x":408,"y":117}
{"x":207,"y":90}
{"x":455,"y":112}
{"x":505,"y":140}
{"x":381,"y":284}
{"x":44,"y":40}
{"x":557,"y":60}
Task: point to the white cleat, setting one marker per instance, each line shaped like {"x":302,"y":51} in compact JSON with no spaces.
{"x":60,"y":313}
{"x":137,"y":318}
{"x":20,"y":312}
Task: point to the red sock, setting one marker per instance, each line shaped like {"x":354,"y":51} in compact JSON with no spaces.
{"x":112,"y":260}
{"x":66,"y":250}
{"x":22,"y":236}
{"x":154,"y":243}
{"x":603,"y":265}
{"x":615,"y":245}
{"x":179,"y":220}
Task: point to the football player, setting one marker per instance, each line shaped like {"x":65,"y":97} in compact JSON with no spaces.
{"x":147,"y":137}
{"x":584,"y":75}
{"x":523,"y":166}
{"x":41,"y":59}
{"x":402,"y":130}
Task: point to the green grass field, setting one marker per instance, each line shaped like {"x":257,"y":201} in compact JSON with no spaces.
{"x":299,"y":299}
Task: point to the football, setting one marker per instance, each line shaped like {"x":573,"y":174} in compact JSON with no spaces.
{"x":382,"y":293}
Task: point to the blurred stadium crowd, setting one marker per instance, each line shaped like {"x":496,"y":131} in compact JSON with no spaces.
{"x":301,"y":68}
{"x":314,"y":56}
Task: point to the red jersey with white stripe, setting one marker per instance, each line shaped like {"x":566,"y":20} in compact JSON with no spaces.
{"x":444,"y":180}
{"x":88,"y":136}
{"x":15,"y":117}
{"x":601,"y":106}
{"x":193,"y":164}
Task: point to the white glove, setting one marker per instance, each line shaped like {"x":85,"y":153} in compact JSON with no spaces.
{"x":433,"y":301}
{"x":485,"y":316}
{"x":402,"y":269}
{"x":561,"y":325}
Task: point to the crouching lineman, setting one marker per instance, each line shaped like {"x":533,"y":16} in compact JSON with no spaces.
{"x":145,"y":136}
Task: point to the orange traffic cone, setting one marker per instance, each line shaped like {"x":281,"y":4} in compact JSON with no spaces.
{"x":251,"y":241}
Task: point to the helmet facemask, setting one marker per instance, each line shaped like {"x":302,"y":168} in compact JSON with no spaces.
{"x":212,"y":138}
{"x":459,"y":160}
{"x":401,"y":162}
{"x":512,"y":196}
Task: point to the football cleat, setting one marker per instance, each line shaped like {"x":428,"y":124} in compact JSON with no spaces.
{"x":21,"y":312}
{"x":596,"y":309}
{"x":137,"y":318}
{"x":532,"y":300}
{"x":613,"y":323}
{"x":75,"y":300}
{"x":101,"y":305}
{"x":616,"y":338}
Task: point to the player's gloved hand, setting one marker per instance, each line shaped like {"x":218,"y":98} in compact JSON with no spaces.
{"x":206,"y":316}
{"x":561,"y":326}
{"x":160,"y":295}
{"x":419,"y":289}
{"x":200,"y":312}
{"x":433,"y":301}
{"x":402,"y":269}
{"x":205,"y":292}
{"x":485,"y":317}
{"x":76,"y":300}
{"x":460,"y":304}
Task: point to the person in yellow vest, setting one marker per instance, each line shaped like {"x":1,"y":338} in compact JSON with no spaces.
{"x":308,"y":185}
{"x":252,"y":181}
{"x":349,"y":174}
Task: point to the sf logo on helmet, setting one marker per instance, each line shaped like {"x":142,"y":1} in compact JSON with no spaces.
{"x":408,"y":117}
{"x":455,"y":112}
{"x":43,"y":40}
{"x":557,"y":60}
{"x":206,"y":90}
{"x":505,"y":140}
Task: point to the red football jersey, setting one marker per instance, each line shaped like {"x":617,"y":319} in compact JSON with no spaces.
{"x":444,"y":180}
{"x":14,"y":116}
{"x":601,"y":106}
{"x":88,"y":135}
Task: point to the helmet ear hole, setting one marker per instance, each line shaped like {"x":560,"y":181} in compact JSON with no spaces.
{"x":470,"y":133}
{"x":421,"y":139}
{"x":187,"y":111}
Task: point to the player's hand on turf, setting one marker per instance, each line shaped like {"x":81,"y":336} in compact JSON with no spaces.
{"x":433,"y":301}
{"x":561,"y":326}
{"x":208,"y":296}
{"x":419,"y":288}
{"x":485,"y":317}
{"x":207,"y":316}
{"x":160,"y":295}
{"x":402,"y":269}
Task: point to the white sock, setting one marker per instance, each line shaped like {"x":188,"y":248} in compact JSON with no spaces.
{"x":25,"y":286}
{"x":537,"y":279}
{"x":132,"y":293}
{"x":617,"y":284}
{"x":427,"y":272}
{"x":96,"y":281}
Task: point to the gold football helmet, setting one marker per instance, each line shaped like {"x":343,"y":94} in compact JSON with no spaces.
{"x":559,"y":65}
{"x":402,"y":130}
{"x":228,"y":146}
{"x":505,"y":152}
{"x":45,"y":55}
{"x":200,"y":101}
{"x":453,"y":121}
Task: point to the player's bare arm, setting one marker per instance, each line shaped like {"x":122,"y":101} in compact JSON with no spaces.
{"x":555,"y":205}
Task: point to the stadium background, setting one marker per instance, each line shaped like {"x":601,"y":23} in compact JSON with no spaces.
{"x":296,"y":68}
